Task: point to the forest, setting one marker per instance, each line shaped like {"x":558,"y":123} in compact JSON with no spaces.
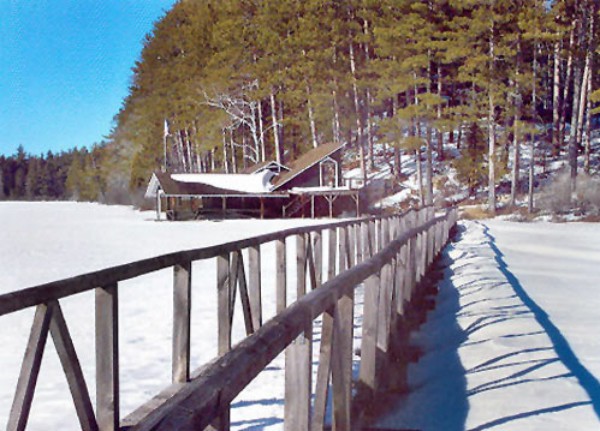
{"x":220,"y":85}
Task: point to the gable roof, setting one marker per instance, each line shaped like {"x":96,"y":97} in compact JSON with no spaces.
{"x":306,"y":161}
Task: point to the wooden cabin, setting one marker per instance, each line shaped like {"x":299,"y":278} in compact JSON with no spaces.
{"x":310,"y":186}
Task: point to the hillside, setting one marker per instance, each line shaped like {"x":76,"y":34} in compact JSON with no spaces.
{"x":466,"y":87}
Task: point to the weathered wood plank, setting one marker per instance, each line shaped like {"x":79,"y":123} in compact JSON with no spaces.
{"x":298,"y":378}
{"x":323,"y":371}
{"x":240,"y":280}
{"x":107,"y":358}
{"x":300,"y":265}
{"x":350,"y":246}
{"x":342,"y":246}
{"x":30,"y":368}
{"x":182,"y":302}
{"x":309,"y":262}
{"x":332,"y":254}
{"x":384,"y":308}
{"x":281,"y":277}
{"x":358,"y":238}
{"x":223,"y":304}
{"x":341,"y":361}
{"x":368,"y":351}
{"x":318,"y":256}
{"x":372,"y":238}
{"x":255,"y":285}
{"x":72,"y":369}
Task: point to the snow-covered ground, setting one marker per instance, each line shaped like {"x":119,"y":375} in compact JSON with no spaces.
{"x":512,"y":344}
{"x":41,"y":242}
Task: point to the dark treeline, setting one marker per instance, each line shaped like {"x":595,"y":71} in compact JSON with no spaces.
{"x":223,"y":84}
{"x":53,"y":176}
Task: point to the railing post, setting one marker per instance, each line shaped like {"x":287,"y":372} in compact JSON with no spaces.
{"x":368,"y":350}
{"x":364,"y":233}
{"x":332,"y":257}
{"x":30,"y":368}
{"x":182,"y":296}
{"x":341,"y":362}
{"x":255,"y":286}
{"x":224,"y":291}
{"x":318,"y":256}
{"x":384,"y":309}
{"x":342,"y":245}
{"x":372,"y":238}
{"x":358,"y":239}
{"x":224,"y":304}
{"x":350,"y":246}
{"x":107,"y":358}
{"x":385,"y":232}
{"x":298,"y":359}
{"x":281,"y":277}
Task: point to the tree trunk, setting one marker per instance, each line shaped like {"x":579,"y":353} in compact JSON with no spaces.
{"x":419,"y":175}
{"x":275,"y":128}
{"x":588,"y":124}
{"x":311,"y":119}
{"x":181,"y":152}
{"x":491,"y":134}
{"x":397,"y":155}
{"x":281,"y":129}
{"x":165,"y":136}
{"x":261,"y":131}
{"x":583,"y":98}
{"x":337,"y":133}
{"x":429,"y":168}
{"x":514,"y":189}
{"x":233,"y":155}
{"x":429,"y":144}
{"x":368,"y":126}
{"x":556,"y":124}
{"x":359,"y":131}
{"x":369,"y":130}
{"x":573,"y":144}
{"x":226,"y":160}
{"x":568,"y":73}
{"x":440,"y":135}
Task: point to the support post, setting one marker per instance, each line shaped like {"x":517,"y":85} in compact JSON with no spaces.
{"x":281,"y":277}
{"x":298,"y":359}
{"x":107,"y":358}
{"x":255,"y":286}
{"x":182,"y":298}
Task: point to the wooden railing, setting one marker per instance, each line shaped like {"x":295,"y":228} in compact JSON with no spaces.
{"x":389,"y":255}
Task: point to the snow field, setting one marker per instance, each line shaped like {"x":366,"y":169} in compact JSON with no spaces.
{"x":511,"y":343}
{"x":48,"y":241}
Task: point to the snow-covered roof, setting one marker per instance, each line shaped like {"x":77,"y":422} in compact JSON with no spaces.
{"x":210,"y":184}
{"x":259,"y":182}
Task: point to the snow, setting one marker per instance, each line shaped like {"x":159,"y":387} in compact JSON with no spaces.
{"x":42,"y":242}
{"x":512,"y":342}
{"x":259,"y":182}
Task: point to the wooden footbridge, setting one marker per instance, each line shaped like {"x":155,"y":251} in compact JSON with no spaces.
{"x":387,"y":255}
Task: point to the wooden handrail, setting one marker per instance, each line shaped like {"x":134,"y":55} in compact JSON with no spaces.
{"x":390,"y":254}
{"x":194,"y":407}
{"x":44,"y":293}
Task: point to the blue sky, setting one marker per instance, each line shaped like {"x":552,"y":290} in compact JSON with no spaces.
{"x":65,"y":67}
